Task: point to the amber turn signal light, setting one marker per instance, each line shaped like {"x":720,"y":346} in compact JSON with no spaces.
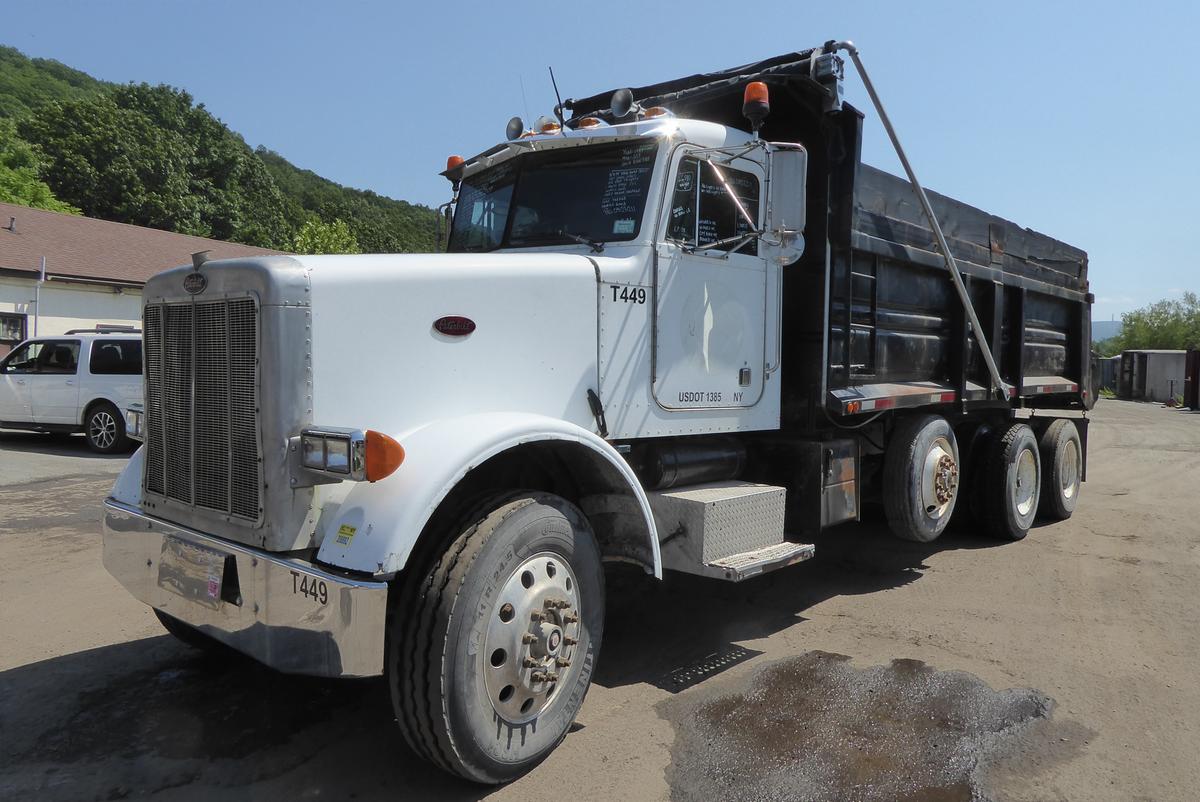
{"x":383,"y":456}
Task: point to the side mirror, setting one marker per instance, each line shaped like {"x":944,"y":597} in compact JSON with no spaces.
{"x":784,"y":234}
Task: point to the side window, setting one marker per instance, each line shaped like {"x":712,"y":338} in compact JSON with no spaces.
{"x":713,"y":203}
{"x":23,"y":359}
{"x":58,"y":357}
{"x":116,"y":357}
{"x":482,"y":209}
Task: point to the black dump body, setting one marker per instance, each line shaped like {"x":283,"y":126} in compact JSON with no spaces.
{"x":871,"y":317}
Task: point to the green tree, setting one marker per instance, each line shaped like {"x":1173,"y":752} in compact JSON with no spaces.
{"x":1173,"y":324}
{"x":317,"y":236}
{"x":20,"y":180}
{"x":149,"y":156}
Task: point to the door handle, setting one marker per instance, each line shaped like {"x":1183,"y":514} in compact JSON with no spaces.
{"x":70,"y":381}
{"x":20,"y":381}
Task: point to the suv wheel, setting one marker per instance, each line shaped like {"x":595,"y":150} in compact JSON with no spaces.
{"x":105,"y":429}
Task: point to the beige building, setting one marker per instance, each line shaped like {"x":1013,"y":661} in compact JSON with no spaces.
{"x":94,"y":270}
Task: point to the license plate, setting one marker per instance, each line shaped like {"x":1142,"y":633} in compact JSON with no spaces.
{"x":191,"y":571}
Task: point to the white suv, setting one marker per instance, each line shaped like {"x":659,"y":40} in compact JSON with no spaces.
{"x":82,"y":381}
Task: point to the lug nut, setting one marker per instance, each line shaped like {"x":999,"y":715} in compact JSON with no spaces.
{"x":536,"y":616}
{"x":569,"y":641}
{"x":570,"y":618}
{"x":538,"y":676}
{"x":528,"y":637}
{"x":529,"y":662}
{"x":563,"y":663}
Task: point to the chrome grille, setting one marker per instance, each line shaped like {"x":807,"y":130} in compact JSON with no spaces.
{"x":201,"y":405}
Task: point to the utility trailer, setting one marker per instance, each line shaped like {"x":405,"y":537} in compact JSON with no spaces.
{"x":680,"y":326}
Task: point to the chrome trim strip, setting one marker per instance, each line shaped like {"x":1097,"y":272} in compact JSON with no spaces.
{"x":275,"y":623}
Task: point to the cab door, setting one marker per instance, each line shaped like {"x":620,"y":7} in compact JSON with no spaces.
{"x":711,"y":287}
{"x":54,"y":388}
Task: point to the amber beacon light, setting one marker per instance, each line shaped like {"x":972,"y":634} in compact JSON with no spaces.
{"x":756,"y":103}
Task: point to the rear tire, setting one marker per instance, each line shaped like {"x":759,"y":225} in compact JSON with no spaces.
{"x":1062,"y":467}
{"x":973,"y":442}
{"x":105,"y":429}
{"x":920,"y":478}
{"x":1011,"y":482}
{"x":493,"y":642}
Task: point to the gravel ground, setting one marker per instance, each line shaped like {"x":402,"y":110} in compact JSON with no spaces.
{"x":1059,"y":667}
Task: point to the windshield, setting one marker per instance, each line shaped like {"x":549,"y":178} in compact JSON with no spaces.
{"x":594,"y":193}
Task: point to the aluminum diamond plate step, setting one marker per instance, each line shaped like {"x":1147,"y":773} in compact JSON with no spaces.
{"x":737,"y":567}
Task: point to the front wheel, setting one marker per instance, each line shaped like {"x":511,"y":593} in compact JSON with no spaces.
{"x":105,"y":429}
{"x":493,"y":643}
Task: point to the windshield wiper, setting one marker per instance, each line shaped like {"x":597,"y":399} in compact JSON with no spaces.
{"x":596,"y":245}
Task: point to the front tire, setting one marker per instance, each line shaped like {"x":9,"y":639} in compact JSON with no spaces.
{"x":1062,"y":469}
{"x":105,"y":429}
{"x":494,"y":641}
{"x":920,"y":478}
{"x":1011,"y":482}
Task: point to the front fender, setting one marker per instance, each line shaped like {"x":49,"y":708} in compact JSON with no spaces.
{"x":375,"y":527}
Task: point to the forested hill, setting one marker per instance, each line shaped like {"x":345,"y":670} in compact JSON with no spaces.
{"x":151,"y":156}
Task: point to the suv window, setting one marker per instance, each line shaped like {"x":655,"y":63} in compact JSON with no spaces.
{"x":116,"y":357}
{"x":52,"y":356}
{"x":712,"y":203}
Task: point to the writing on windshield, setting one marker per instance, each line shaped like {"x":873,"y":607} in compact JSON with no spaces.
{"x":593,"y":193}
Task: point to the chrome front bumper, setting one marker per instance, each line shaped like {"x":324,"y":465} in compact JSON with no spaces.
{"x":284,"y":612}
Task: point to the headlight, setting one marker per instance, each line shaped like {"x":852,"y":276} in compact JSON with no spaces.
{"x":134,"y":423}
{"x":349,"y":453}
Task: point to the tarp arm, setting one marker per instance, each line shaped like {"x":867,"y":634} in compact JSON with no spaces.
{"x":1001,"y":387}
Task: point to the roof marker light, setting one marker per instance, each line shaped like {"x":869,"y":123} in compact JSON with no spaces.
{"x":588,"y":122}
{"x":454,"y":161}
{"x":654,"y":111}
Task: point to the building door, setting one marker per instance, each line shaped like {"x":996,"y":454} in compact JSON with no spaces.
{"x":711,"y":289}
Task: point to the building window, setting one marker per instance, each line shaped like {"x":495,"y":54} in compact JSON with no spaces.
{"x":12,"y":331}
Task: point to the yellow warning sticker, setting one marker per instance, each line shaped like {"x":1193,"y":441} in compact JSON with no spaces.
{"x":345,"y":534}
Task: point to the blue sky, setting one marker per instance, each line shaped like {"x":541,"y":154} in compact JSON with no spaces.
{"x":1076,"y":119}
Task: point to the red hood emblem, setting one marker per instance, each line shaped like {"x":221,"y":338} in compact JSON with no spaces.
{"x":454,"y":325}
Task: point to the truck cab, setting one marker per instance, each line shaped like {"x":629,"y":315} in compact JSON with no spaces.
{"x":683,"y":327}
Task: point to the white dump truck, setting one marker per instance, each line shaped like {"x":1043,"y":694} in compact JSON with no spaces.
{"x":680,"y":326}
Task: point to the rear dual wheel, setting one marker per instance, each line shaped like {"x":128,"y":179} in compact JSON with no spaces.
{"x":492,"y":643}
{"x":1062,"y":470}
{"x":920,"y":478}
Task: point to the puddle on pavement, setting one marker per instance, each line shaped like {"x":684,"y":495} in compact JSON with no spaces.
{"x":817,"y":728}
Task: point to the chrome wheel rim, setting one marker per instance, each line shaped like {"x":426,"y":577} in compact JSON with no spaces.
{"x":939,"y":478}
{"x":103,"y":429}
{"x":532,"y":635}
{"x":1025,"y":488}
{"x":1069,"y":470}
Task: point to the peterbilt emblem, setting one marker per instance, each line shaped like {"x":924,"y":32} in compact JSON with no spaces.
{"x":194,"y":282}
{"x":454,"y":325}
